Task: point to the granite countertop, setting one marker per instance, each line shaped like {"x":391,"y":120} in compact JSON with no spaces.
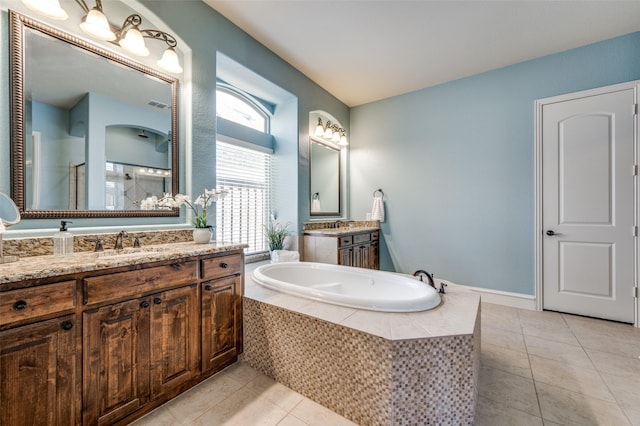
{"x":38,"y":267}
{"x":344,"y":230}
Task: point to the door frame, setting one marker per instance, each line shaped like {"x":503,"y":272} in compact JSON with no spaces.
{"x":538,"y":238}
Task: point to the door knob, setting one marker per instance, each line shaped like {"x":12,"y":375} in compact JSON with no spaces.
{"x":550,"y":233}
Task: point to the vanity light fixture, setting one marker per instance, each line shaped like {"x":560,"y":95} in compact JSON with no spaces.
{"x":129,"y":36}
{"x":331,"y":132}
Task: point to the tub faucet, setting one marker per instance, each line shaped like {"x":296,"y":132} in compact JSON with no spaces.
{"x":119,"y":237}
{"x":421,"y":272}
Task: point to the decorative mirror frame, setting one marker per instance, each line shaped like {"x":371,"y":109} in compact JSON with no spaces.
{"x":18,"y":24}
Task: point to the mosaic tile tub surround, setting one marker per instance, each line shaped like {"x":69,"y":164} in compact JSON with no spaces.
{"x":417,"y":368}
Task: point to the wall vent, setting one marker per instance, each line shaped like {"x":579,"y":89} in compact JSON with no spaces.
{"x":157,"y":104}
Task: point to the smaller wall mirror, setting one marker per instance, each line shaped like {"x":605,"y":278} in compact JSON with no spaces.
{"x":325,"y":179}
{"x":9,"y":213}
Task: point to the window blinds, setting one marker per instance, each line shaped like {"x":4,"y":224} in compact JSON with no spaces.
{"x":242,"y":214}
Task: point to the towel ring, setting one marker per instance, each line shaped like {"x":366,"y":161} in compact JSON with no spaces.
{"x":315,"y":196}
{"x":378,"y":190}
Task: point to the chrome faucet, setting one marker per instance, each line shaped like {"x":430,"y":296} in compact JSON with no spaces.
{"x":421,"y":272}
{"x":119,"y":237}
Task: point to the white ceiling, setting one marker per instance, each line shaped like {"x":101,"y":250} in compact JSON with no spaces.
{"x":365,"y":50}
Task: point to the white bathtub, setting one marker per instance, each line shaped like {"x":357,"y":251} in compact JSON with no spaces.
{"x":346,"y":286}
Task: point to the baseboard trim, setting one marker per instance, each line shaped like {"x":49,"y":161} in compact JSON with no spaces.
{"x":507,"y":298}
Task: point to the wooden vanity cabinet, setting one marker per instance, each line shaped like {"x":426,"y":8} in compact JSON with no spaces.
{"x":38,"y":355}
{"x":359,"y":249}
{"x":37,"y":371}
{"x":221,"y":312}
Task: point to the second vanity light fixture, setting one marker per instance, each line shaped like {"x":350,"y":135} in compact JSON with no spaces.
{"x":130,"y":37}
{"x":331,"y":132}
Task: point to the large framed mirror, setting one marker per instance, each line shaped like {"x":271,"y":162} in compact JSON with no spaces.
{"x":92,"y":132}
{"x":325,"y":179}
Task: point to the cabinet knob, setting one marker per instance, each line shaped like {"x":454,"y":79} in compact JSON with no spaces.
{"x":207,"y":287}
{"x":157,"y":300}
{"x":66,"y":325}
{"x":224,"y":265}
{"x":20,"y":305}
{"x":144,"y":304}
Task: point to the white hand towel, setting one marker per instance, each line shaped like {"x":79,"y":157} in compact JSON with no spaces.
{"x":377,"y":211}
{"x":315,"y":206}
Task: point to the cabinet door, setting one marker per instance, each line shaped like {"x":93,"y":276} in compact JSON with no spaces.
{"x":345,"y":256}
{"x":175,"y":342}
{"x":115,"y":361}
{"x":220,"y":323}
{"x":37,"y":367}
{"x":361,"y":256}
{"x":374,"y":255}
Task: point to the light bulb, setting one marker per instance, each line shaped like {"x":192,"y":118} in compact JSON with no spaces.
{"x":96,"y":25}
{"x":170,"y":62}
{"x":49,"y":8}
{"x":133,"y":42}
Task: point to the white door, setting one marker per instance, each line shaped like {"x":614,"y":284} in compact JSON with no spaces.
{"x":588,"y":205}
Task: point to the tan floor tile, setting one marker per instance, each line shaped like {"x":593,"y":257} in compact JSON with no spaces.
{"x":573,"y":377}
{"x":241,"y":372}
{"x":277,"y":393}
{"x":315,"y":414}
{"x":561,"y":334}
{"x":557,"y":351}
{"x":242,"y":408}
{"x":194,"y":402}
{"x":495,"y":413}
{"x":513,"y":362}
{"x":615,"y":364}
{"x":291,"y":420}
{"x":541,"y":318}
{"x":607,"y":328}
{"x":571,"y":408}
{"x":503,"y":339}
{"x":158,"y":417}
{"x":608,"y":343}
{"x":502,"y":317}
{"x":514,"y":391}
{"x":626,"y":389}
{"x":633,"y":416}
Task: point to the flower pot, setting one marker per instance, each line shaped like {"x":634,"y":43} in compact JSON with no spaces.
{"x":202,"y":235}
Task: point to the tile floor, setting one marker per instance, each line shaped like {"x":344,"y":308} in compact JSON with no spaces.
{"x":537,"y":368}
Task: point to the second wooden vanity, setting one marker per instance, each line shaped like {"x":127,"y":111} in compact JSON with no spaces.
{"x":356,"y":246}
{"x":109,"y":343}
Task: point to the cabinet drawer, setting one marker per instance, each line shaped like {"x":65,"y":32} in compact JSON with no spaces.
{"x":361,"y":238}
{"x":215,"y":267}
{"x":136,"y":283}
{"x":32,"y":302}
{"x":345,"y":240}
{"x":375,"y":236}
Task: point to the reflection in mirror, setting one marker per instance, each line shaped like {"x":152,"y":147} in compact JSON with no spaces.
{"x":80,"y":111}
{"x":325,"y":179}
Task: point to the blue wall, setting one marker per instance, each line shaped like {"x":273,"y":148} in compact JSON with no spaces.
{"x":456,"y":163}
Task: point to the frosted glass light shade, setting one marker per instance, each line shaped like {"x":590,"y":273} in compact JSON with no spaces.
{"x":133,"y":42}
{"x":319,"y":128}
{"x":170,"y":62}
{"x":97,"y":26}
{"x":343,"y":140}
{"x":328,"y":133}
{"x":49,"y":8}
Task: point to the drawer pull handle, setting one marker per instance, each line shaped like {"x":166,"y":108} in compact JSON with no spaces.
{"x":207,"y":287}
{"x":157,"y":300}
{"x":144,"y":304}
{"x":224,"y":265}
{"x":20,"y":305}
{"x":67,"y":325}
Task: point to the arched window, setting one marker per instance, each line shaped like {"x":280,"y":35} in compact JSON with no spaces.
{"x":235,"y":106}
{"x":243,"y":168}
